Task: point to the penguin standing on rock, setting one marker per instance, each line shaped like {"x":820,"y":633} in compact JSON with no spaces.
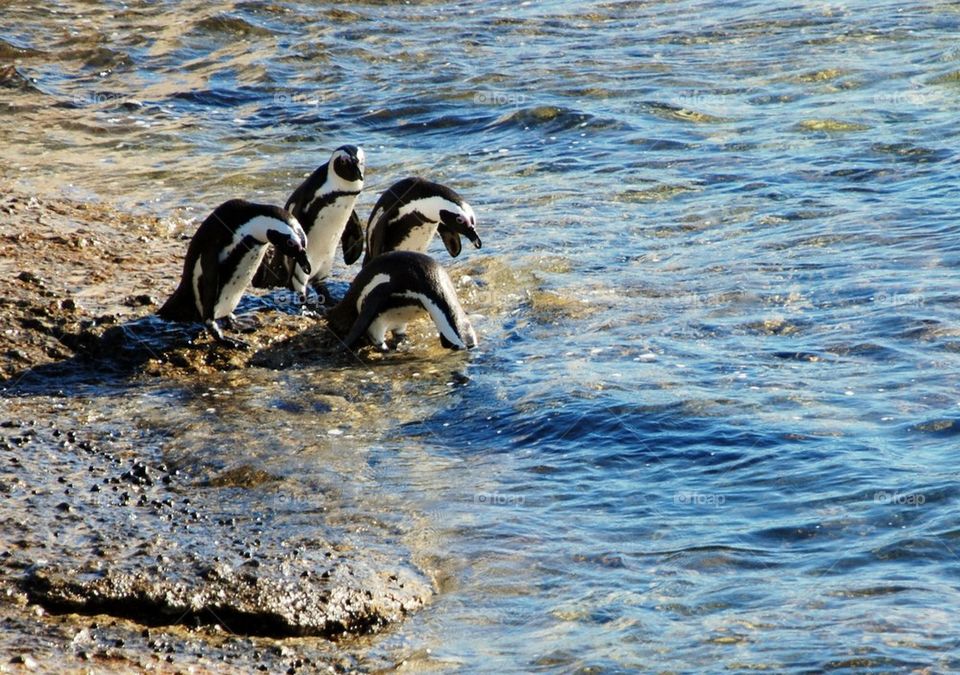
{"x":411,"y":211}
{"x":324,"y":206}
{"x":394,"y":289}
{"x":222,"y":258}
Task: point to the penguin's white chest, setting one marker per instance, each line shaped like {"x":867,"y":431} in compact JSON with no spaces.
{"x":324,"y":235}
{"x":235,"y":286}
{"x":418,"y":238}
{"x":394,"y":320}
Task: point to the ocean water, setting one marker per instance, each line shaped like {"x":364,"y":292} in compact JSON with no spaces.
{"x":714,"y":415}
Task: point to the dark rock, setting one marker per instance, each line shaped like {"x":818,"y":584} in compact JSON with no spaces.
{"x":142,"y":300}
{"x":30,"y":278}
{"x":244,"y":603}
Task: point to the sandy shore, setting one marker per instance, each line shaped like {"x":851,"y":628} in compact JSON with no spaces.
{"x":112,"y":559}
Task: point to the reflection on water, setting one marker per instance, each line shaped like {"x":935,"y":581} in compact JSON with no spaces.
{"x":713,"y":411}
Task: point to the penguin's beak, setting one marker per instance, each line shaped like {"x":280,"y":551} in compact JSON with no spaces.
{"x":472,"y":235}
{"x":302,"y":260}
{"x":292,"y":247}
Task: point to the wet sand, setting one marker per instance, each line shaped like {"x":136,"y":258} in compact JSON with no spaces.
{"x":112,"y":558}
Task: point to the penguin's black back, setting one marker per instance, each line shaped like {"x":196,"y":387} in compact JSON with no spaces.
{"x":408,"y":190}
{"x":407,"y":270}
{"x":388,"y":237}
{"x":214,"y":234}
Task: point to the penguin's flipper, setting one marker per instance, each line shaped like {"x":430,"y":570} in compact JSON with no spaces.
{"x":371,"y":309}
{"x":450,"y":239}
{"x":352,"y":239}
{"x":376,"y":239}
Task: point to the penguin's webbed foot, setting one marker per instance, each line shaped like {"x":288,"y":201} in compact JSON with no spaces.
{"x":244,"y":324}
{"x":396,"y":340}
{"x":231,"y":343}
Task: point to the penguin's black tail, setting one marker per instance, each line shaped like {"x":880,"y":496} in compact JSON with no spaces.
{"x":179,"y":307}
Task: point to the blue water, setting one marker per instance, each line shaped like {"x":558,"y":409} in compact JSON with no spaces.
{"x":714,"y":416}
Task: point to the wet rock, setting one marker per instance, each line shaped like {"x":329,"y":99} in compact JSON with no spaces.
{"x":142,"y":300}
{"x":30,"y":278}
{"x":243,"y":603}
{"x":242,"y":476}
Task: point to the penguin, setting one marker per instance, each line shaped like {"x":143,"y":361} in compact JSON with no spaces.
{"x":222,"y":258}
{"x":394,"y":289}
{"x":411,"y":211}
{"x":324,"y":205}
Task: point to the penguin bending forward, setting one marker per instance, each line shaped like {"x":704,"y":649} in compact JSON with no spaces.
{"x":394,"y":289}
{"x":224,"y":255}
{"x":411,"y":211}
{"x":324,"y":205}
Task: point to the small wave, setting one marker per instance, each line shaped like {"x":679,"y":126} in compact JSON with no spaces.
{"x":419,"y":118}
{"x":10,"y":78}
{"x":548,"y":118}
{"x":9,"y":50}
{"x":668,"y":111}
{"x":104,"y":58}
{"x":230,"y":25}
{"x":913,"y":154}
{"x":219,"y":97}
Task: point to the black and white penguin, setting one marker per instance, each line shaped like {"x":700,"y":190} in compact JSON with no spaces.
{"x":394,"y":289}
{"x":411,"y":211}
{"x":222,"y":258}
{"x":324,"y":205}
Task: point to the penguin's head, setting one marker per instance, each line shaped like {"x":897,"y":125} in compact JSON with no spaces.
{"x":347,"y":163}
{"x":288,"y":237}
{"x":456,"y":218}
{"x":467,"y":337}
{"x":437,"y":203}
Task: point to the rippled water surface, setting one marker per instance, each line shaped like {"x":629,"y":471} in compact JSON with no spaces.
{"x":713,"y":423}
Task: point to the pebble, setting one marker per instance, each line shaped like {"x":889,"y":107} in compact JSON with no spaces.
{"x":25,"y":660}
{"x":30,"y":278}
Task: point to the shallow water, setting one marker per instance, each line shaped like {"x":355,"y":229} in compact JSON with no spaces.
{"x":713,"y":415}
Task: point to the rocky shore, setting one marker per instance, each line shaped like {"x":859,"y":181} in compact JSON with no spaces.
{"x":112,"y":558}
